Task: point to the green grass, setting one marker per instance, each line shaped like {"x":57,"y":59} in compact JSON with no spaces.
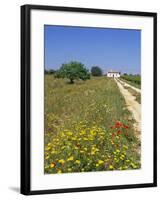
{"x":134,"y":80}
{"x":137,"y":95}
{"x":87,"y":127}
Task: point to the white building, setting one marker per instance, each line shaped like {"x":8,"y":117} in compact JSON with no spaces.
{"x":113,"y":74}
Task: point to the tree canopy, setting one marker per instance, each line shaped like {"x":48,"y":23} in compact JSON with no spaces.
{"x":96,"y":71}
{"x":74,"y":71}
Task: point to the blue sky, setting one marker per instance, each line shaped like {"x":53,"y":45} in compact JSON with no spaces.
{"x":117,"y":49}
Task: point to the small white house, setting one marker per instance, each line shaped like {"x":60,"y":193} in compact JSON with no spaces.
{"x":113,"y":74}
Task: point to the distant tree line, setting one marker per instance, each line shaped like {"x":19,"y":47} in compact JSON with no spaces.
{"x":74,"y":70}
{"x":50,"y":71}
{"x":134,"y":78}
{"x":126,"y":74}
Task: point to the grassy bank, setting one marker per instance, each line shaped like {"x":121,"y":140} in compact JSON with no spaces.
{"x":137,"y":95}
{"x":134,"y":80}
{"x":87,"y":127}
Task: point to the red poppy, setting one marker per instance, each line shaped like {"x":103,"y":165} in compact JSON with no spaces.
{"x":126,"y":134}
{"x":119,"y":131}
{"x":118,"y":124}
{"x":126,"y":127}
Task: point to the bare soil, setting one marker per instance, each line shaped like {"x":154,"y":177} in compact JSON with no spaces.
{"x":128,"y":85}
{"x":132,"y":105}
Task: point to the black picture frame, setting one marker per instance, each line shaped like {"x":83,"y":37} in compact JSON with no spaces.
{"x":26,"y":94}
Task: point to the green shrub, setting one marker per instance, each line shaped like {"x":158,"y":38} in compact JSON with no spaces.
{"x":96,"y":71}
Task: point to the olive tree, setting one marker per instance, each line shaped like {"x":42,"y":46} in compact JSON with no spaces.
{"x":74,"y":71}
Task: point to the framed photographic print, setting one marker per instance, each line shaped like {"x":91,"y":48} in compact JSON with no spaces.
{"x":88,"y":99}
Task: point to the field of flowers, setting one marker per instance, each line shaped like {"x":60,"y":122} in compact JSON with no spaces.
{"x":87,"y":127}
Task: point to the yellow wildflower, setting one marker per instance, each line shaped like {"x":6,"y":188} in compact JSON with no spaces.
{"x":77,"y":161}
{"x":100,"y":162}
{"x":70,"y":158}
{"x":122,"y":157}
{"x":133,"y":165}
{"x":59,"y":171}
{"x":126,"y":147}
{"x":69,"y":133}
{"x":62,"y":161}
{"x":82,"y":133}
{"x":46,"y":157}
{"x":92,"y":132}
{"x":52,"y":165}
{"x":48,"y":148}
{"x":54,"y":152}
{"x":111,"y":167}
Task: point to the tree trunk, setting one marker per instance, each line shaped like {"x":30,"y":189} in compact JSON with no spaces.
{"x":71,"y":81}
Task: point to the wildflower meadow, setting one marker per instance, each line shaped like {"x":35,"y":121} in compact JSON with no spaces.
{"x":88,"y":127}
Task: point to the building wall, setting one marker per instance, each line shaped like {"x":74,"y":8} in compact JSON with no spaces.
{"x":112,"y":75}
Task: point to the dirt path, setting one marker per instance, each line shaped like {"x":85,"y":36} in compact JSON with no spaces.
{"x":132,"y":105}
{"x":128,"y":85}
